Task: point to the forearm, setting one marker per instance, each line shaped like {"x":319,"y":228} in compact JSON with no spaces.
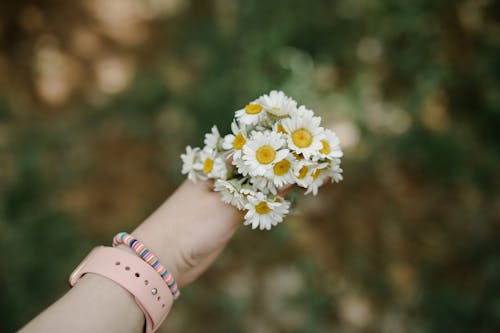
{"x":95,"y":304}
{"x":186,"y":232}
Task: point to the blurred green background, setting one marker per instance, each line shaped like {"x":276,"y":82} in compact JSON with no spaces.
{"x":98,"y":98}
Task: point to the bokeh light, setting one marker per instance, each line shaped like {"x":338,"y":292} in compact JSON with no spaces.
{"x":98,"y":98}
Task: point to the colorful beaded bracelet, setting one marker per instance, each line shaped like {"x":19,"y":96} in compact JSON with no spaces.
{"x":142,"y":251}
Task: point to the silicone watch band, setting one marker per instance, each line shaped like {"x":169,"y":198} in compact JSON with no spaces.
{"x":151,"y":293}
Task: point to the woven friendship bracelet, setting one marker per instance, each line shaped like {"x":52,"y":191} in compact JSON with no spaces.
{"x":149,"y":257}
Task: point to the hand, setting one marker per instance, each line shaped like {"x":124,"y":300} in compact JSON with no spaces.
{"x":189,"y":230}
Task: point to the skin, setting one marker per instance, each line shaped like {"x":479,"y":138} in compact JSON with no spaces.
{"x":187,"y":232}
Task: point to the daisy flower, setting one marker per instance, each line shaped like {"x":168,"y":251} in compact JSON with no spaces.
{"x":285,"y":204}
{"x":272,"y":144}
{"x":282,"y":172}
{"x":335,"y":171}
{"x":235,"y":141}
{"x":278,"y":128}
{"x":278,"y":104}
{"x":302,"y":172}
{"x":301,"y":111}
{"x":211,"y":164}
{"x":304,"y":134}
{"x":331,"y":146}
{"x":230,"y":192}
{"x":188,"y":162}
{"x":247,"y":190}
{"x":212,"y":139}
{"x":252,"y":114}
{"x":263,"y":184}
{"x":240,"y":165}
{"x":264,"y":212}
{"x":262,"y":151}
{"x":318,"y":177}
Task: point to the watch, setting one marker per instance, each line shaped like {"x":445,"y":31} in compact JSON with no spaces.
{"x":149,"y":290}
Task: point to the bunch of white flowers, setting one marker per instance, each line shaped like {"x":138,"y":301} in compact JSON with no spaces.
{"x":274,"y":144}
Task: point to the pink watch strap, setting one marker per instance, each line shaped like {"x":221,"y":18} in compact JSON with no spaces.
{"x":151,"y":293}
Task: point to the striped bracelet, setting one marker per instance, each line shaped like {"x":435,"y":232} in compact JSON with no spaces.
{"x":142,"y":251}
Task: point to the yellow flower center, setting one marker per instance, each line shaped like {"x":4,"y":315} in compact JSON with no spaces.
{"x":281,"y":129}
{"x":316,"y":173}
{"x":265,"y":154}
{"x":282,"y":167}
{"x":262,"y":208}
{"x":303,"y":172}
{"x":253,"y":108}
{"x":208,"y":166}
{"x":302,"y":138}
{"x":239,"y":141}
{"x":326,"y":147}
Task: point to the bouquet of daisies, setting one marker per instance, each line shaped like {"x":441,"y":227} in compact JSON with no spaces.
{"x":273,"y":145}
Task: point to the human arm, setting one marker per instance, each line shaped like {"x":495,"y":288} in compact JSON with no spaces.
{"x":187,"y":232}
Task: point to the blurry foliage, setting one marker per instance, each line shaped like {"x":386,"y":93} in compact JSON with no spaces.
{"x":99,"y":97}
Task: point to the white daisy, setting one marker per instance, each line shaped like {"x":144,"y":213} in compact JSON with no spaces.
{"x":301,"y":111}
{"x":230,"y":192}
{"x":189,"y":159}
{"x":240,"y":165}
{"x":304,"y":134}
{"x":285,"y":203}
{"x":278,"y":128}
{"x":302,"y":172}
{"x":212,"y":139}
{"x":263,"y":184}
{"x":247,"y":190}
{"x":262,"y":151}
{"x":318,"y":176}
{"x":278,"y":104}
{"x":335,"y":171}
{"x":282,"y":172}
{"x":252,"y":114}
{"x":235,"y":141}
{"x":331,"y":146}
{"x":212,"y":164}
{"x":265,"y":212}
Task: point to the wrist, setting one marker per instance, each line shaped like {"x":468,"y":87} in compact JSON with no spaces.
{"x":162,"y":255}
{"x":144,"y":252}
{"x":159,"y":244}
{"x":108,"y":293}
{"x":188,"y":229}
{"x":148,"y":288}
